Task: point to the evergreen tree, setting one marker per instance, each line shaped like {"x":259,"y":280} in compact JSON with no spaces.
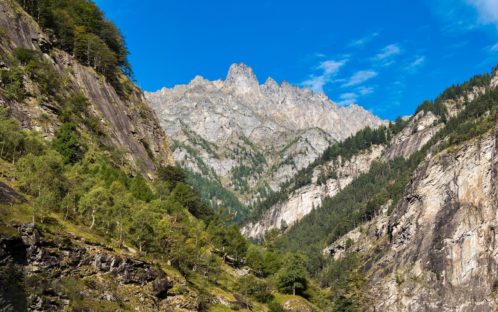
{"x":292,"y":277}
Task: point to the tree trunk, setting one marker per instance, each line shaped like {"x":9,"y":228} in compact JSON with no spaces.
{"x":93,"y":219}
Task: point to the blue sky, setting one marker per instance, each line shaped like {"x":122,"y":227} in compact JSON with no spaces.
{"x":386,"y":55}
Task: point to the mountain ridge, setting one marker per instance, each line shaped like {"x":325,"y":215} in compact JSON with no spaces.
{"x":238,"y":120}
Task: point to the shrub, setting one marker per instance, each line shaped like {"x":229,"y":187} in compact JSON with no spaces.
{"x":249,"y":285}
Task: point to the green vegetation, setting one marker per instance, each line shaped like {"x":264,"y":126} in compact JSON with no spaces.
{"x":361,"y":141}
{"x":220,"y":199}
{"x":454,"y":93}
{"x":162,"y":219}
{"x":28,"y":63}
{"x":81,"y":29}
{"x":360,"y":201}
{"x":249,"y":285}
{"x":292,"y":276}
{"x":66,"y":143}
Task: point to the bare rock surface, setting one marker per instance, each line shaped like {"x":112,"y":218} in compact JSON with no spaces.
{"x":251,"y":137}
{"x":128,"y":123}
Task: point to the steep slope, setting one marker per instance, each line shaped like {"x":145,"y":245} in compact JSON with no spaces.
{"x":81,"y":228}
{"x":303,"y":200}
{"x":437,"y":251}
{"x":325,"y":178}
{"x":251,"y":137}
{"x":127,"y":123}
{"x":434,"y":248}
{"x":441,"y":238}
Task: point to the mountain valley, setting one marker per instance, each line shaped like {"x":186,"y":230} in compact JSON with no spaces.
{"x":230,"y":195}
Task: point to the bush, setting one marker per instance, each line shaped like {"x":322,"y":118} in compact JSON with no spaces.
{"x":292,"y":277}
{"x":275,"y":307}
{"x":67,"y":144}
{"x":249,"y":285}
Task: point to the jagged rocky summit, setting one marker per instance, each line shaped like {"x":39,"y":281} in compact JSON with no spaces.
{"x":251,"y":137}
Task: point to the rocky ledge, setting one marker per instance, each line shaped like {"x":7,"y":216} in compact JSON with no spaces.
{"x":56,"y":274}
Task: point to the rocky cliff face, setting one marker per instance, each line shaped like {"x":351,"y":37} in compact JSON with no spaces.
{"x":442,"y":236}
{"x":302,"y":201}
{"x":251,"y":137}
{"x":128,"y":123}
{"x":437,"y":252}
{"x":73,"y":268}
{"x":419,"y":130}
{"x":416,"y":134}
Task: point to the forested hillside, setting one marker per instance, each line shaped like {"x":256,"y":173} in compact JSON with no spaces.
{"x":93,"y":216}
{"x":377,"y":194}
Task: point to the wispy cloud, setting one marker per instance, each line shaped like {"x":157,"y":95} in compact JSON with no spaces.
{"x":416,"y":63}
{"x":365,"y":90}
{"x":388,"y":52}
{"x":494,"y":48}
{"x":347,"y":99}
{"x":362,"y":41}
{"x":461,"y":16}
{"x":329,"y":69}
{"x":487,"y":11}
{"x":360,"y":77}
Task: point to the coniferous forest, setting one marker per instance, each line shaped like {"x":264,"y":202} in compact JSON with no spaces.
{"x":93,"y":218}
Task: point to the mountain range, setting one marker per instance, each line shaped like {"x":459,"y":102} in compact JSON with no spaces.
{"x":335,"y":209}
{"x":250,"y":138}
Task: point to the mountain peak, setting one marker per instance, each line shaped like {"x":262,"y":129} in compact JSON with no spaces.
{"x":240,"y":70}
{"x":242,"y":78}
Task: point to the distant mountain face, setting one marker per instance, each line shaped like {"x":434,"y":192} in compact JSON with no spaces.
{"x":247,"y":137}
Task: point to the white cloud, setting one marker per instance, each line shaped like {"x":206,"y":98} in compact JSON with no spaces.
{"x":365,"y":90}
{"x":494,"y":48}
{"x":418,"y":61}
{"x":347,"y":99}
{"x":329,"y":69}
{"x":388,"y":52}
{"x":487,"y":10}
{"x":315,"y":83}
{"x":362,"y":41}
{"x":461,"y":16}
{"x":360,"y":77}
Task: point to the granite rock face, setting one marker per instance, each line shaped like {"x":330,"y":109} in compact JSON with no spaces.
{"x":303,"y":200}
{"x":437,"y":250}
{"x":420,"y":129}
{"x":250,"y":136}
{"x":442,"y":235}
{"x":129,"y":124}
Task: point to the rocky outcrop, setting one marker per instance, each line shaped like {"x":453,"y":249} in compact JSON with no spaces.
{"x":420,"y":129}
{"x":303,"y":200}
{"x":57,"y":268}
{"x":249,"y":136}
{"x":8,"y":196}
{"x":129,"y":124}
{"x":437,"y":251}
{"x":362,"y":239}
{"x":442,"y":235}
